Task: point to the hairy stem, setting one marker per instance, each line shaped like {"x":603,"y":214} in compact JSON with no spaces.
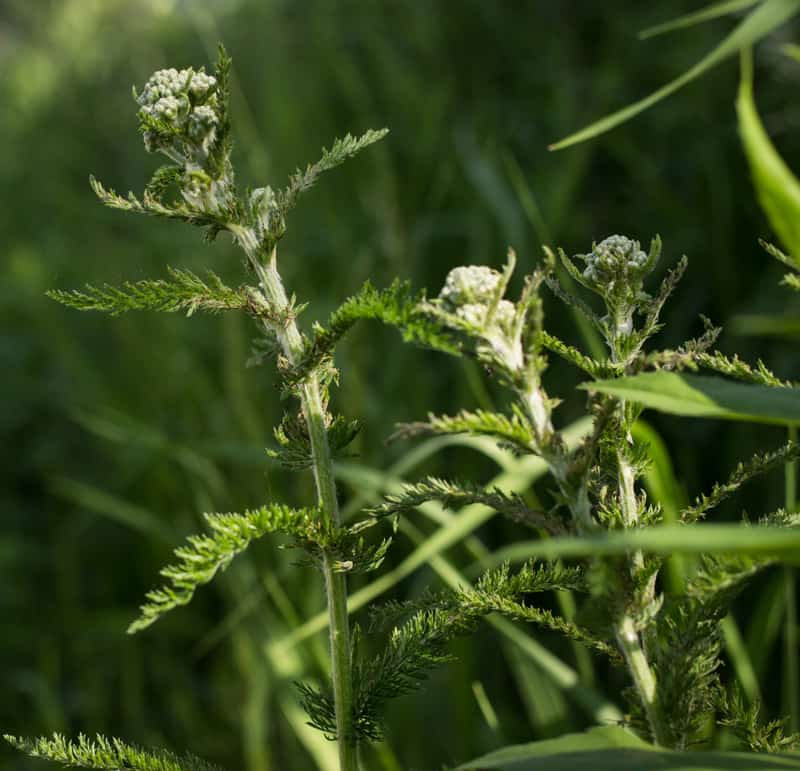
{"x":628,"y":637}
{"x":313,"y":409}
{"x":641,"y":674}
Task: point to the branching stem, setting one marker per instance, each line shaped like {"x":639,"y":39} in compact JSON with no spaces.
{"x":313,"y":409}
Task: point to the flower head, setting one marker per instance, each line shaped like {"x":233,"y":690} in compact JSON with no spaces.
{"x":470,"y":284}
{"x":178,"y":114}
{"x":616,"y":258}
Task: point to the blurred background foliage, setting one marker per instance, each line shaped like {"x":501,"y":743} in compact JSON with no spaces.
{"x":118,"y":433}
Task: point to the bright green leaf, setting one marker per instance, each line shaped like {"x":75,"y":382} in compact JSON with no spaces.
{"x":778,"y":190}
{"x":705,"y":397}
{"x":614,"y":748}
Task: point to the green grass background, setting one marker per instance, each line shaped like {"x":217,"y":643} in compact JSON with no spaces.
{"x":118,"y":433}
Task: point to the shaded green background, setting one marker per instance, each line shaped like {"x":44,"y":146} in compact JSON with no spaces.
{"x":118,"y":433}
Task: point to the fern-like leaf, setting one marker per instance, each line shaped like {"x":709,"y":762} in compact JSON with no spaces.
{"x":203,"y":556}
{"x":340,"y":151}
{"x":757,"y":736}
{"x":294,"y":445}
{"x":686,"y":647}
{"x":185,"y":292}
{"x":736,"y":368}
{"x":151,"y":205}
{"x":759,"y":464}
{"x":592,"y":367}
{"x":420,"y":644}
{"x":105,"y":753}
{"x":395,"y":306}
{"x":511,"y":431}
{"x":454,"y":495}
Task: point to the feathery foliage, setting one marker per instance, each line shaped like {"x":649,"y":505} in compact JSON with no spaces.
{"x":756,"y":735}
{"x":294,"y":450}
{"x":341,"y":150}
{"x":203,"y":556}
{"x":105,"y":753}
{"x":686,"y":651}
{"x":186,"y":292}
{"x":760,"y":463}
{"x":420,"y":643}
{"x":509,"y":431}
{"x":396,"y":306}
{"x":453,"y":495}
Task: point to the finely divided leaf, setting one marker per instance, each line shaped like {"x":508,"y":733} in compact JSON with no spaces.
{"x":185,"y":292}
{"x":395,"y":306}
{"x":203,"y":556}
{"x":420,"y":644}
{"x":105,"y":753}
{"x":453,"y":495}
{"x":340,"y":151}
{"x":512,"y":431}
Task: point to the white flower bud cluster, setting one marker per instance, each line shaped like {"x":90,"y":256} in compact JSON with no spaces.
{"x":468,"y":294}
{"x":469,"y":284}
{"x":185,"y":100}
{"x":615,"y":256}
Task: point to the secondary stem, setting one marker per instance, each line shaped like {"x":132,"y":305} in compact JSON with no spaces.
{"x":313,"y":409}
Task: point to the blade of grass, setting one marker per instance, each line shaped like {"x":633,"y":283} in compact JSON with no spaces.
{"x":710,"y":12}
{"x":760,"y":22}
{"x":527,"y":201}
{"x":762,"y":324}
{"x":777,"y":188}
{"x":740,"y":658}
{"x":765,"y":625}
{"x":701,"y":396}
{"x":701,"y":538}
{"x":112,"y":507}
{"x":663,"y":487}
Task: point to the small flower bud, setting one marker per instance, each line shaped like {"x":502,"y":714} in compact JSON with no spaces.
{"x":470,"y":284}
{"x":184,"y":102}
{"x":615,"y":258}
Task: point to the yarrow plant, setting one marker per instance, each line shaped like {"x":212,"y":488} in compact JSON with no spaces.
{"x":669,"y":645}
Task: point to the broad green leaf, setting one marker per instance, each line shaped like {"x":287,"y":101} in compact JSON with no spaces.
{"x":701,"y":396}
{"x":757,"y":24}
{"x":614,"y":748}
{"x":778,"y":190}
{"x":704,"y":538}
{"x":713,"y":11}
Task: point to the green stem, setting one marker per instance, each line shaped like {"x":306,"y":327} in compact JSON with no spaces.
{"x":628,"y":637}
{"x":792,"y":678}
{"x":313,"y":408}
{"x":641,"y":674}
